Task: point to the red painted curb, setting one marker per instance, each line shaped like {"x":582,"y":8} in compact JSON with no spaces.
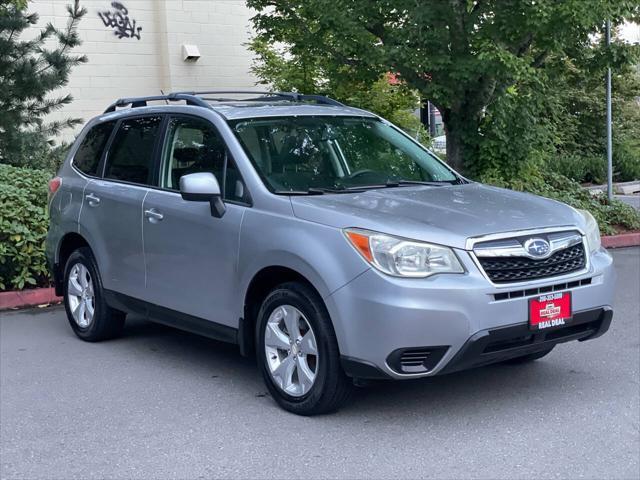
{"x":28,"y":298}
{"x":622,"y":240}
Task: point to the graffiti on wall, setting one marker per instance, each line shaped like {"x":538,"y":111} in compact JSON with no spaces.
{"x":118,"y":19}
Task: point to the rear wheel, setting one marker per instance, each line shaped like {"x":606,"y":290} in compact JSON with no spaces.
{"x":89,"y":316}
{"x":530,"y":357}
{"x":298,"y":352}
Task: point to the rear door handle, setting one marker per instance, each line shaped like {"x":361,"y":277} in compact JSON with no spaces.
{"x":153,"y":215}
{"x":92,"y":199}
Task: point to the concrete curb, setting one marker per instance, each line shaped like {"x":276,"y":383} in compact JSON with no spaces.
{"x":28,"y":298}
{"x":622,"y":240}
{"x":620,"y":188}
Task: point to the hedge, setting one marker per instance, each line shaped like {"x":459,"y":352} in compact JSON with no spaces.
{"x":23,"y":227}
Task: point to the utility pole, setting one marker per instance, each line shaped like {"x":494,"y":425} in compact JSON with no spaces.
{"x":609,"y":132}
{"x":428,"y":117}
{"x":432,"y":120}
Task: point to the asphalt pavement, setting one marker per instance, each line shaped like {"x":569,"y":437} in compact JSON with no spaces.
{"x":159,"y":403}
{"x":633,"y":200}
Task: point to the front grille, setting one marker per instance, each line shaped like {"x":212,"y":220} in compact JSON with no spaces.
{"x":517,"y":269}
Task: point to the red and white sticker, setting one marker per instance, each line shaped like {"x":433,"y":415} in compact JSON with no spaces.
{"x":549,"y":311}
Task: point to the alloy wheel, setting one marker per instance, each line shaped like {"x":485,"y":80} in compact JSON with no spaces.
{"x":80,"y":295}
{"x":291,"y":350}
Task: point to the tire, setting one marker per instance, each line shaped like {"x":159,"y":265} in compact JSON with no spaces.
{"x":330,"y":388}
{"x":81,"y":277}
{"x":530,"y":357}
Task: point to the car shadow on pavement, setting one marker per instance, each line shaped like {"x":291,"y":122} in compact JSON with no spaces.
{"x":478,"y":389}
{"x":174,"y":344}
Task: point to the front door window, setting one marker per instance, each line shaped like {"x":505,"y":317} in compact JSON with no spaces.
{"x":194,"y":145}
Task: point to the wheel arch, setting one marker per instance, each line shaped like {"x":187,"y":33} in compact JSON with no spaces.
{"x":261,"y":283}
{"x":68,"y":244}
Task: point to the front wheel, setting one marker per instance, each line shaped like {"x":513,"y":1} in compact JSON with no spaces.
{"x":298,"y":352}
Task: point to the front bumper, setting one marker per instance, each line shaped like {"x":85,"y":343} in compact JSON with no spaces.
{"x":456,"y":317}
{"x":499,"y":344}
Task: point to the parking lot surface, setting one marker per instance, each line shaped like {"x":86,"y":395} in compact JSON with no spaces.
{"x":159,"y":403}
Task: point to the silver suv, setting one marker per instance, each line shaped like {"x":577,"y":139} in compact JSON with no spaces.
{"x":320,"y":238}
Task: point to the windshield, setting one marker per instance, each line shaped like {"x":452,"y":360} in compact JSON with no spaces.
{"x":303,"y":154}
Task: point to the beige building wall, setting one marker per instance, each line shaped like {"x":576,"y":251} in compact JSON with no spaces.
{"x":128,"y":66}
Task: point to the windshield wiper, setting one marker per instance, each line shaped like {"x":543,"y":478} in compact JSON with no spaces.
{"x":318,"y":191}
{"x":432,"y":183}
{"x":400,"y":183}
{"x":311,"y":191}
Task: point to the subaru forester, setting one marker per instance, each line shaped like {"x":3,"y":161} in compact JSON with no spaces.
{"x":318,"y":237}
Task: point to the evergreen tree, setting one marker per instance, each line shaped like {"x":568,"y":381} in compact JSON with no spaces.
{"x":31,"y":70}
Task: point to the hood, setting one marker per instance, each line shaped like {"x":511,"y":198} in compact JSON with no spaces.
{"x":446,"y":215}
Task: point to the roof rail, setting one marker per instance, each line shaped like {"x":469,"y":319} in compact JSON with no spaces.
{"x":264,"y":96}
{"x":142,"y":101}
{"x":196,"y":98}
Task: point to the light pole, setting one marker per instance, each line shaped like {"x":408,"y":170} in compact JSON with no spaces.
{"x":609,"y":132}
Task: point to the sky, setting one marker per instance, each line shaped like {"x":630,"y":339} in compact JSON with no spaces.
{"x":630,"y":32}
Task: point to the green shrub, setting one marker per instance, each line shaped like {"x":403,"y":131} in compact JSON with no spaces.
{"x":593,"y":168}
{"x":23,"y":227}
{"x":582,"y":169}
{"x":626,"y":160}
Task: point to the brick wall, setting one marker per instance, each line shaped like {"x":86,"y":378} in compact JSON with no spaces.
{"x":123,"y":67}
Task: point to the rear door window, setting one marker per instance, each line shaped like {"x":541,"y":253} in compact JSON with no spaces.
{"x":88,"y":156}
{"x":130,"y":157}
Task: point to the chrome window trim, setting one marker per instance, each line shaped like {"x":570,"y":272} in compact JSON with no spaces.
{"x":519,"y":233}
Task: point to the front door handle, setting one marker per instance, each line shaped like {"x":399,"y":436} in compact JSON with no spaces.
{"x":153,"y":215}
{"x":92,"y":199}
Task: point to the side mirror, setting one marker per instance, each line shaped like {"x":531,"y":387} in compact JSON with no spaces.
{"x":203,"y":187}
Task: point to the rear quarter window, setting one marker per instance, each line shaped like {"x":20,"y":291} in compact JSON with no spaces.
{"x":130,"y":156}
{"x":88,"y":156}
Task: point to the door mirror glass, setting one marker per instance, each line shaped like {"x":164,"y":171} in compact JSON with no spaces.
{"x":203,"y":187}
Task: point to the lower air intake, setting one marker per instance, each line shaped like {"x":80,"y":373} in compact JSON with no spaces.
{"x":415,"y":360}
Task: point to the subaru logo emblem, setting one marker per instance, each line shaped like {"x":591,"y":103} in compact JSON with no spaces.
{"x":537,"y":247}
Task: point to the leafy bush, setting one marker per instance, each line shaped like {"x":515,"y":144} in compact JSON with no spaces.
{"x":612,"y":217}
{"x":626,"y":160}
{"x":593,"y":168}
{"x":580,"y":168}
{"x":23,"y":227}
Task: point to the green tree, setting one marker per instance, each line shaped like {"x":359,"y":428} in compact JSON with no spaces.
{"x":557,"y":121}
{"x":584,"y":132}
{"x":31,"y":70}
{"x":463,"y":55}
{"x":282,"y":69}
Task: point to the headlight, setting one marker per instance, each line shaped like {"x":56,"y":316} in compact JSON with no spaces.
{"x":592,"y":231}
{"x":403,"y":258}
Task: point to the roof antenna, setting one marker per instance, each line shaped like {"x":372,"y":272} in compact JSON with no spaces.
{"x":165,"y":100}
